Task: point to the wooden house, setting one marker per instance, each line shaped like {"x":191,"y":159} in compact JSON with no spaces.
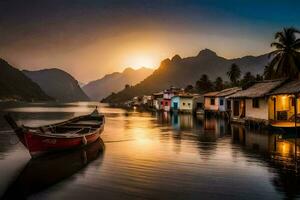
{"x":252,"y":103}
{"x":282,"y":102}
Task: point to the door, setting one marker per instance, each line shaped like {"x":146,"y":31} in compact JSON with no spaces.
{"x":236,"y":108}
{"x":175,"y":105}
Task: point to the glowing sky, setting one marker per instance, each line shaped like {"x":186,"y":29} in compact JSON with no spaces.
{"x":91,"y":38}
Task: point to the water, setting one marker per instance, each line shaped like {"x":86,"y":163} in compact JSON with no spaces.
{"x":149,"y":156}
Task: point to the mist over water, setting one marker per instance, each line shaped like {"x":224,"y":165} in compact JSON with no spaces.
{"x":149,"y":156}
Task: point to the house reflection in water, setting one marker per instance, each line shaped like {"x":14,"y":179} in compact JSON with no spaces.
{"x":182,"y":121}
{"x":277,"y":146}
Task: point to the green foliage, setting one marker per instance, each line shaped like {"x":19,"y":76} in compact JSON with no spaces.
{"x":286,"y":58}
{"x":218,"y":84}
{"x":248,"y":78}
{"x":234,"y":74}
{"x":269,"y":72}
{"x":204,"y":84}
{"x":189,"y":88}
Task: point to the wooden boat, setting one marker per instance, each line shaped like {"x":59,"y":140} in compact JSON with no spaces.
{"x":46,"y":171}
{"x":70,"y":134}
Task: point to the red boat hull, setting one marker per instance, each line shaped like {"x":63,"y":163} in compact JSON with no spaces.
{"x":38,"y":144}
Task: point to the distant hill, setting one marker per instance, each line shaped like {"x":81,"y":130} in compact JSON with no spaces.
{"x":14,"y":85}
{"x":115,"y":82}
{"x":58,"y":84}
{"x":181,"y":72}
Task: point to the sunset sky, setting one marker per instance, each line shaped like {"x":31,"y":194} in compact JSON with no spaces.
{"x":89,"y":39}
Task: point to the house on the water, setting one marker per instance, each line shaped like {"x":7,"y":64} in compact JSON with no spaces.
{"x":224,"y":102}
{"x":167,"y":96}
{"x":282,"y":102}
{"x":217,"y":101}
{"x":198,"y":103}
{"x":211,"y":101}
{"x":182,"y":103}
{"x":252,"y":104}
{"x":157,"y":99}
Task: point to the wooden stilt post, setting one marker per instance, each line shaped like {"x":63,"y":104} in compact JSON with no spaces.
{"x":296,"y":131}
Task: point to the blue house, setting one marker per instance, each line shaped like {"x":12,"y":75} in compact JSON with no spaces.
{"x":182,"y":103}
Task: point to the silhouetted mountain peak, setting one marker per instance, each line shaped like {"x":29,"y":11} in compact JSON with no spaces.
{"x":207,"y":53}
{"x":176,"y":58}
{"x":14,"y":85}
{"x":128,"y":70}
{"x":57,"y":84}
{"x":115,"y":82}
{"x":3,"y":61}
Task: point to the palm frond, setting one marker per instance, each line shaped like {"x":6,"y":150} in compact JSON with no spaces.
{"x":274,"y":53}
{"x":277,"y":45}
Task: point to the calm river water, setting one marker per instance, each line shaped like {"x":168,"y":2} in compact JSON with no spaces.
{"x":149,"y":156}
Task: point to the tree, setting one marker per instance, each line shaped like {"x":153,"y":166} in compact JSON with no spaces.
{"x":259,"y":77}
{"x":189,"y":88}
{"x":127,"y":86}
{"x":248,"y":77}
{"x":286,"y":57}
{"x":204,"y":84}
{"x":219,"y":85}
{"x":234,"y":74}
{"x":269,"y":72}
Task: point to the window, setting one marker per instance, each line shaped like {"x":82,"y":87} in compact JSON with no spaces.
{"x":212,"y":101}
{"x":221,"y":102}
{"x":255,"y":103}
{"x":166,"y":103}
{"x":183,"y":104}
{"x":189,"y":104}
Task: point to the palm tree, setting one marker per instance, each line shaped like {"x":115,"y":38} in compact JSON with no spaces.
{"x":234,"y":73}
{"x":286,"y":57}
{"x":219,"y":85}
{"x":269,"y":72}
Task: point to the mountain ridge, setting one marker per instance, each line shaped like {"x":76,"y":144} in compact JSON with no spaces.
{"x":58,"y":84}
{"x":14,"y":85}
{"x":114,"y":82}
{"x":186,"y":71}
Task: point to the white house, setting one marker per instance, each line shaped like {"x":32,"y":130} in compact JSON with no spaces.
{"x":252,"y":103}
{"x":157,"y":99}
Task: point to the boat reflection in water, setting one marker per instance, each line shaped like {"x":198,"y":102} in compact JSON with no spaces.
{"x":45,"y":171}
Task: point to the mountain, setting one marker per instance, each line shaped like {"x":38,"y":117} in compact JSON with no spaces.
{"x":58,"y":84}
{"x":14,"y":85}
{"x":181,"y":72}
{"x":81,"y":84}
{"x":115,"y":82}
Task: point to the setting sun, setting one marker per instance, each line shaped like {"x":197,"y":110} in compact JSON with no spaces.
{"x":138,"y":61}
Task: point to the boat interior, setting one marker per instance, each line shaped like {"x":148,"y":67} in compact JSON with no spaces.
{"x":80,"y":125}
